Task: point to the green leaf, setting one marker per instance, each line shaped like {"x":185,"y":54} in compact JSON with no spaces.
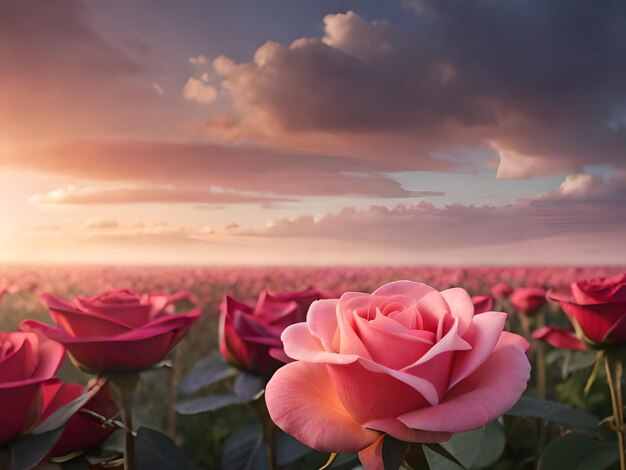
{"x":248,"y":386}
{"x":554,"y":412}
{"x":473,"y":449}
{"x":577,"y":451}
{"x":394,"y":451}
{"x":443,"y":452}
{"x":416,"y":457}
{"x":244,"y":450}
{"x":289,"y":449}
{"x":31,"y":449}
{"x":581,"y":360}
{"x":156,"y":450}
{"x":210,"y":403}
{"x":205,"y":372}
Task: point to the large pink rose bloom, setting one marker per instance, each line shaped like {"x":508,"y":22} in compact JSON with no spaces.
{"x":597,"y":309}
{"x":27,"y":363}
{"x":116,"y":331}
{"x":408,"y":361}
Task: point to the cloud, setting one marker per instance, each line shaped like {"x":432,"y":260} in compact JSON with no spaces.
{"x":574,"y":224}
{"x":199,"y":90}
{"x":155,"y":194}
{"x":102,"y":224}
{"x":240,"y":168}
{"x":518,"y":77}
{"x":582,"y":206}
{"x":198,"y":60}
{"x":61,"y":76}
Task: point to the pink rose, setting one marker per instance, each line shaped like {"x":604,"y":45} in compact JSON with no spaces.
{"x":597,"y":309}
{"x":116,"y":331}
{"x":528,"y":300}
{"x":27,"y":362}
{"x":501,"y":290}
{"x":82,"y":431}
{"x":250,"y":336}
{"x":407,"y":360}
{"x":482,"y":303}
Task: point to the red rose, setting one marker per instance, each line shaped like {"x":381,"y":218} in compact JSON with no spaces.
{"x":116,"y":331}
{"x":596,"y":308}
{"x":82,"y":431}
{"x":528,"y":300}
{"x":250,"y":336}
{"x":27,"y":362}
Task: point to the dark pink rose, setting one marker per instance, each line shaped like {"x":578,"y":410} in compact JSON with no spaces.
{"x":27,"y":362}
{"x":407,"y":360}
{"x":501,"y":290}
{"x":82,"y":431}
{"x":482,"y":303}
{"x":596,"y":308}
{"x":116,"y":331}
{"x":250,"y":335}
{"x":528,"y":300}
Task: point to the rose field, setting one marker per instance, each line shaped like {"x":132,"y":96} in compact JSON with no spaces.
{"x":245,"y":389}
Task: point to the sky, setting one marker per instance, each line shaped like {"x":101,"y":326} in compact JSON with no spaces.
{"x":306,"y":132}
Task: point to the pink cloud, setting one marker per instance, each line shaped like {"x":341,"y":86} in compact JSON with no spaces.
{"x":582,"y":206}
{"x":233,"y":167}
{"x":163,"y":194}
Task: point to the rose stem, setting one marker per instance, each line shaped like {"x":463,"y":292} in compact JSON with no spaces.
{"x":126,"y":384}
{"x":129,"y":440}
{"x":615,"y":387}
{"x":171,"y":396}
{"x":268,"y":429}
{"x":540,"y":321}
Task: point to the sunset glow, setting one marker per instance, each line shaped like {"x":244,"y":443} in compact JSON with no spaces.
{"x":312,"y":133}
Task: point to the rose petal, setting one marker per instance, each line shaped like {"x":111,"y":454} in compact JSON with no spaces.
{"x":134,"y":350}
{"x":432,"y":308}
{"x":20,"y":408}
{"x":370,"y":391}
{"x":302,"y":401}
{"x":415,"y":290}
{"x":450,"y":342}
{"x":560,"y":338}
{"x":398,"y":430}
{"x":300,"y":344}
{"x":80,"y":323}
{"x":461,"y":306}
{"x":322,"y":322}
{"x":388,"y":347}
{"x":483,"y":335}
{"x":594,"y":320}
{"x":372,"y":456}
{"x":486,"y":394}
{"x":21,"y":360}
